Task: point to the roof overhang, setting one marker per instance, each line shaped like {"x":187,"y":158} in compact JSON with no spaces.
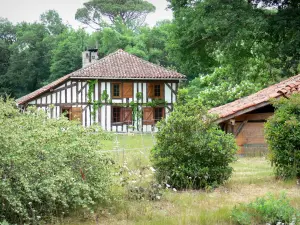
{"x":241,"y":112}
{"x":116,"y":78}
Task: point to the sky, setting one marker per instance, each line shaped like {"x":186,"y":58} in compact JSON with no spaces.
{"x":30,"y":10}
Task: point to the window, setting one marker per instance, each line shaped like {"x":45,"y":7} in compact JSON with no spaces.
{"x":158,"y":114}
{"x":116,"y":114}
{"x":157,"y":90}
{"x":65,"y":111}
{"x":116,"y":90}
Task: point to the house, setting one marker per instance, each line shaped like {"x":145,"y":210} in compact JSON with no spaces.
{"x":245,"y":117}
{"x":120,"y":92}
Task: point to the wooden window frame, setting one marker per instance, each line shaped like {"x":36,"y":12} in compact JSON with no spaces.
{"x":120,"y":90}
{"x":154,"y":87}
{"x":151,"y":93}
{"x":69,"y":108}
{"x":113,"y":117}
{"x":154,"y":114}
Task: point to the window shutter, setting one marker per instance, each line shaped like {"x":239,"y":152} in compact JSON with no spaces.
{"x":127,"y":115}
{"x":148,"y":116}
{"x":76,"y":114}
{"x":127,"y":90}
{"x":150,"y":90}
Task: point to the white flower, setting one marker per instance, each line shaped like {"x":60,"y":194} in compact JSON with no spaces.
{"x":158,"y":197}
{"x":168,"y":185}
{"x":152,"y":169}
{"x":174,"y":189}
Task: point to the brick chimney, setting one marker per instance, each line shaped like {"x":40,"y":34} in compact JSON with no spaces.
{"x":89,"y":56}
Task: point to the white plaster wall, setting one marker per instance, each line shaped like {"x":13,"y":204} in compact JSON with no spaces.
{"x":168,"y":94}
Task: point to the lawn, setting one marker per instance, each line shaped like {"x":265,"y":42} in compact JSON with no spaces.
{"x":252,"y":178}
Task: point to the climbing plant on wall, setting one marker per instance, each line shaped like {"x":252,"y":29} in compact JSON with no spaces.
{"x":137,"y":114}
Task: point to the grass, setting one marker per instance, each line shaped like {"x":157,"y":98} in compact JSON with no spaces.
{"x":252,"y":178}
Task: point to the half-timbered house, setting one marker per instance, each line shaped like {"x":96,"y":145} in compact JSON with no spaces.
{"x":120,"y":92}
{"x":245,"y":117}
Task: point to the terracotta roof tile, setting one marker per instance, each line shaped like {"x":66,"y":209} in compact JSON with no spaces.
{"x":48,"y":87}
{"x":122,"y":65}
{"x":118,"y":65}
{"x":229,"y":110}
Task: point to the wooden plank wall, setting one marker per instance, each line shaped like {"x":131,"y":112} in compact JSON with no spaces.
{"x":252,"y":133}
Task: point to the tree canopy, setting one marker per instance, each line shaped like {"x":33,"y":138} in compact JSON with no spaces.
{"x":131,"y":12}
{"x":227,"y":48}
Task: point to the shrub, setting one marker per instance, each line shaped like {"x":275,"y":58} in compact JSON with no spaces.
{"x":283,"y":137}
{"x":48,"y":167}
{"x":267,"y":209}
{"x":191,"y":151}
{"x":139,"y":184}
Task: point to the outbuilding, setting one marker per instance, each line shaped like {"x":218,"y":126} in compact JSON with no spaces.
{"x":245,"y":117}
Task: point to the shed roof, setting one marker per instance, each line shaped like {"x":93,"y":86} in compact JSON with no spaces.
{"x":118,"y":65}
{"x":257,"y":100}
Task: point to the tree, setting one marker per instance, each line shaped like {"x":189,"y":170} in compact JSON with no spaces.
{"x":30,"y":59}
{"x":131,"y":12}
{"x":283,"y":137}
{"x":66,"y":55}
{"x":191,"y":151}
{"x":53,"y":22}
{"x":49,"y":167}
{"x":7,"y":37}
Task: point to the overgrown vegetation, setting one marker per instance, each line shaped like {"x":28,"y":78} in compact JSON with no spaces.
{"x":283,"y":137}
{"x":269,"y":210}
{"x":191,"y":151}
{"x":49,"y":167}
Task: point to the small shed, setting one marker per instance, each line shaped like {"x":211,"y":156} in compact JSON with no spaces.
{"x":245,"y":117}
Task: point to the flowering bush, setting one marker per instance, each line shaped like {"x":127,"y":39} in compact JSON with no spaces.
{"x":191,"y":151}
{"x":139,"y":184}
{"x":48,"y":167}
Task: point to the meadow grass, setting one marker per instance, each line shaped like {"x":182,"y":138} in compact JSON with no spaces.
{"x":252,"y":178}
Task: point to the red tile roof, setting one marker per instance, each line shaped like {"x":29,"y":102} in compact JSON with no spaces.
{"x":256,"y":100}
{"x":122,"y":65}
{"x":118,"y":65}
{"x":36,"y":93}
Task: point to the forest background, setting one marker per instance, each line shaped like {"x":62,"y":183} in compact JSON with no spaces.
{"x":227,"y":48}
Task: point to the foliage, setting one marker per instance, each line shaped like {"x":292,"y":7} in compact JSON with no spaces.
{"x":49,"y":167}
{"x":269,"y":209}
{"x":131,"y":12}
{"x":66,"y":54}
{"x":284,"y":146}
{"x":217,"y":88}
{"x":191,"y":151}
{"x":139,"y":184}
{"x":234,"y":43}
{"x":52,"y":21}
